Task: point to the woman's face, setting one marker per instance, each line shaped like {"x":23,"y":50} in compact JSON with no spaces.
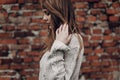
{"x":46,"y":16}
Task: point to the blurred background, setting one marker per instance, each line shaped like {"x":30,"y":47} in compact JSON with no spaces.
{"x":23,"y":34}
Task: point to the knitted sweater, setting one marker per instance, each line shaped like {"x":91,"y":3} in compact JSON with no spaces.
{"x":62,"y":61}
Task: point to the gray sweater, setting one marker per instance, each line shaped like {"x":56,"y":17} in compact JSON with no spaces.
{"x":61,"y":63}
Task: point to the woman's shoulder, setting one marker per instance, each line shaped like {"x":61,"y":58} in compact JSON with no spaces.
{"x":76,"y":40}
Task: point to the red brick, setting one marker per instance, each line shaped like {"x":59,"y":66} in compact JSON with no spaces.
{"x":114,"y":18}
{"x":8,"y":28}
{"x":45,"y":26}
{"x":4,"y":48}
{"x":95,"y":70}
{"x":7,"y":1}
{"x":94,"y":44}
{"x":6,"y":61}
{"x":0,"y":61}
{"x":12,"y":14}
{"x":96,"y":51}
{"x":25,"y":66}
{"x":80,"y":19}
{"x":35,"y":27}
{"x":117,"y":30}
{"x":28,"y":1}
{"x":95,"y":11}
{"x":6,"y":35}
{"x":95,"y":63}
{"x":43,"y":33}
{"x":15,"y":8}
{"x":2,"y":1}
{"x":111,"y":50}
{"x":105,"y":63}
{"x":24,"y":41}
{"x":23,"y":54}
{"x":81,"y":13}
{"x":93,"y":38}
{"x":15,"y":66}
{"x":22,"y":34}
{"x":117,"y":37}
{"x":23,"y":27}
{"x":17,"y":60}
{"x":110,"y":69}
{"x":81,"y":5}
{"x":28,"y":7}
{"x":116,"y":4}
{"x":27,"y":13}
{"x":19,"y":47}
{"x":85,"y":64}
{"x":28,"y":60}
{"x":86,"y":70}
{"x":8,"y":73}
{"x":88,"y":51}
{"x":38,"y":13}
{"x":3,"y":14}
{"x":92,"y":58}
{"x":27,"y":72}
{"x":1,"y":7}
{"x":80,"y":26}
{"x":91,"y":18}
{"x":107,"y":31}
{"x":90,"y":70}
{"x":38,"y":20}
{"x":21,"y":1}
{"x":101,"y":76}
{"x":108,"y":44}
{"x":37,"y":47}
{"x":111,"y":11}
{"x":36,"y":65}
{"x":87,"y":31}
{"x":107,"y":37}
{"x":37,"y":40}
{"x":103,"y":17}
{"x":85,"y":0}
{"x":86,"y":44}
{"x":5,"y":78}
{"x":32,"y":78}
{"x":36,"y":59}
{"x":100,"y":5}
{"x":34,"y":53}
{"x":97,"y":31}
{"x":8,"y":41}
{"x":85,"y":38}
{"x":4,"y":67}
{"x":114,"y":63}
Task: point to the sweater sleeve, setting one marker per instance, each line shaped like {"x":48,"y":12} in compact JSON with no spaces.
{"x":55,"y":61}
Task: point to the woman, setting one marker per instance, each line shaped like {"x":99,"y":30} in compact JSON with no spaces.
{"x":63,"y":57}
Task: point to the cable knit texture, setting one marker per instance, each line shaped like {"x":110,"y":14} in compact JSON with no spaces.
{"x":61,"y":63}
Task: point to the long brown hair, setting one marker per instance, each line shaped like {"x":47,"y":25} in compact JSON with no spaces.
{"x":61,"y":12}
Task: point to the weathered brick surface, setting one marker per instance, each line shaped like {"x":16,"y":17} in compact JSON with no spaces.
{"x":23,"y":34}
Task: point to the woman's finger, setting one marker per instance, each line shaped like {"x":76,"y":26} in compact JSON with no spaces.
{"x":60,"y":28}
{"x":69,"y":38}
{"x":64,"y":27}
{"x":67,"y":28}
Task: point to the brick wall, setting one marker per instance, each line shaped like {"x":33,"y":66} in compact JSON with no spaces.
{"x":23,"y":33}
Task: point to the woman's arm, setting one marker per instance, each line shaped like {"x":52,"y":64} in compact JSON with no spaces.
{"x":56,"y":63}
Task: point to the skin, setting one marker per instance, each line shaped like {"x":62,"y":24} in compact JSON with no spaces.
{"x":62,"y":33}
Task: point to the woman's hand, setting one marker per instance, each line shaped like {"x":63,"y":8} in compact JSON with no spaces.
{"x":62,"y":34}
